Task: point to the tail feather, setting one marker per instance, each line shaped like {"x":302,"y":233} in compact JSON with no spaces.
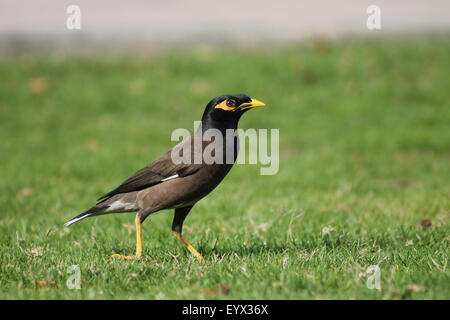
{"x":94,"y":211}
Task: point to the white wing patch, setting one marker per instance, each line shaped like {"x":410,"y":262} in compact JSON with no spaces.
{"x":170,"y":178}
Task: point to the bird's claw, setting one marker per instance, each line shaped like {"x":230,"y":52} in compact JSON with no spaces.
{"x":120,"y":256}
{"x":196,"y":254}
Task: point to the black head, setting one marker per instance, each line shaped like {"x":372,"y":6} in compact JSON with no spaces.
{"x":227,"y":109}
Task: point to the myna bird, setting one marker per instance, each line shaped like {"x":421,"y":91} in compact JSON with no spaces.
{"x":164,"y":184}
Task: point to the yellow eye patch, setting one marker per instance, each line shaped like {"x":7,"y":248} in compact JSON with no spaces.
{"x":223,"y":106}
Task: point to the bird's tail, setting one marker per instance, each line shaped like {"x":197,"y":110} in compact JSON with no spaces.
{"x":94,"y":211}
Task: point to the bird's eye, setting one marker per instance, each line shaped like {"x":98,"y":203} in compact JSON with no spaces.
{"x":231,"y":103}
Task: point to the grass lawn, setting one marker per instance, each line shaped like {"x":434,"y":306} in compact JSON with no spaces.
{"x":364,"y":175}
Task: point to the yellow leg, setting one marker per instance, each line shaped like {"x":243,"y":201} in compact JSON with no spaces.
{"x":188,"y":245}
{"x":137,"y":221}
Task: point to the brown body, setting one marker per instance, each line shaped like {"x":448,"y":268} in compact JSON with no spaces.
{"x":174,"y":183}
{"x":194,"y":181}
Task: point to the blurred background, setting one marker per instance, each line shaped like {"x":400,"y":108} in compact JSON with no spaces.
{"x":41,"y":25}
{"x":363,"y":116}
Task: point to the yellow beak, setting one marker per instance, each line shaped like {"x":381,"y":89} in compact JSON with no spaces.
{"x":252,"y":104}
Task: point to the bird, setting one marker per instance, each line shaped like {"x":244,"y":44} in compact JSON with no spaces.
{"x":179,"y":185}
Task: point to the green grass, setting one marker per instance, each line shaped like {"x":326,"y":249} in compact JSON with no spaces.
{"x":364,"y":154}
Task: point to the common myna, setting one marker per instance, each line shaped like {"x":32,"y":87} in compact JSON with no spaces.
{"x":166,"y":184}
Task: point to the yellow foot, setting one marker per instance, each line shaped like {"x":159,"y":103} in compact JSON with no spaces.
{"x":138,"y":242}
{"x":197,"y":255}
{"x":120,"y":256}
{"x":194,"y":252}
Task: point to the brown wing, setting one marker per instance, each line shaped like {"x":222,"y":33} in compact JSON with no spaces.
{"x":154,"y":173}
